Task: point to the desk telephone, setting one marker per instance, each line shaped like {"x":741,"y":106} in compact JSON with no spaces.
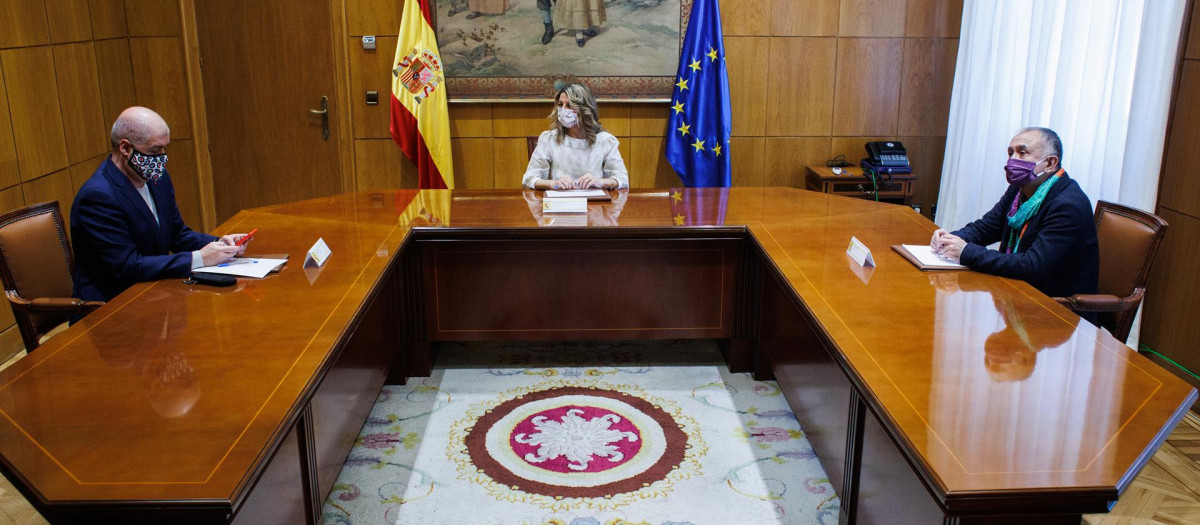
{"x":887,"y":157}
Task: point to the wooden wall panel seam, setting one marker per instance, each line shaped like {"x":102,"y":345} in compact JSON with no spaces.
{"x":114,"y":97}
{"x":1190,"y":47}
{"x":72,"y":26}
{"x":105,"y":23}
{"x":12,"y":131}
{"x":344,"y":97}
{"x":43,"y":149}
{"x":837,"y":31}
{"x":87,"y":110}
{"x":125,"y":15}
{"x":158,"y":18}
{"x":1184,"y":213}
{"x":153,"y":87}
{"x":1179,"y":176}
{"x":194,"y":80}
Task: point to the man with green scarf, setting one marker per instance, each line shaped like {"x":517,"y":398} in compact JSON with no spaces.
{"x":1043,"y":223}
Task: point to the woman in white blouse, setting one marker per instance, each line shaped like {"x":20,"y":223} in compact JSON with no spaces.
{"x":576,"y":152}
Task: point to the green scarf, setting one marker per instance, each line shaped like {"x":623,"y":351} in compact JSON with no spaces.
{"x":1017,"y":221}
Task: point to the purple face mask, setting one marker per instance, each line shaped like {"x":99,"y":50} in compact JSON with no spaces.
{"x":1020,"y":172}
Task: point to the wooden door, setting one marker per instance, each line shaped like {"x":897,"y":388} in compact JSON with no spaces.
{"x":266,"y":64}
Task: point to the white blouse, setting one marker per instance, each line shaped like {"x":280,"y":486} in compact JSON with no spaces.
{"x":574,"y":158}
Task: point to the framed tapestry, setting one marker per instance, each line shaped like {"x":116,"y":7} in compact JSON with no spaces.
{"x":516,"y":50}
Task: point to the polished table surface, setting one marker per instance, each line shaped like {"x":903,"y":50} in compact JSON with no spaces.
{"x":173,"y":391}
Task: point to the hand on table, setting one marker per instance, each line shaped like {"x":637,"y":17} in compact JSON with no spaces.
{"x":564,"y":183}
{"x":218,"y":252}
{"x":948,"y":245}
{"x":936,"y":239}
{"x":588,"y":181}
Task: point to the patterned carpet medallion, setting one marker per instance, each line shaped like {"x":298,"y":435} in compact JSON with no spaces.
{"x":566,"y":444}
{"x":625,"y":433}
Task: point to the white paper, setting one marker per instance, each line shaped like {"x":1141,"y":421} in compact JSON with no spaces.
{"x":572,"y":205}
{"x":924,"y":253}
{"x":244,"y":267}
{"x":860,"y":253}
{"x":576,"y":193}
{"x":319,"y":252}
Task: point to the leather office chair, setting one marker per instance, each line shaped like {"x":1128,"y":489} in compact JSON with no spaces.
{"x":37,"y":267}
{"x":1129,"y":239}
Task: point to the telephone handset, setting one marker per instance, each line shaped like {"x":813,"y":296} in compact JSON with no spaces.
{"x":888,"y":154}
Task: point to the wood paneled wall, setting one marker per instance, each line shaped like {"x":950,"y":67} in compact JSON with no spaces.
{"x":67,"y":68}
{"x":1171,"y":296}
{"x":809,"y":80}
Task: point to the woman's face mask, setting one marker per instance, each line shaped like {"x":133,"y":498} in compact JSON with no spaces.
{"x":567,"y":117}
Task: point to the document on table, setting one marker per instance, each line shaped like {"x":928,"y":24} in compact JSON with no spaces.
{"x":923,"y":257}
{"x":593,"y":194}
{"x":244,"y":267}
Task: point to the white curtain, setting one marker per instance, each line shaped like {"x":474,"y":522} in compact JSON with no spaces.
{"x":1099,"y":72}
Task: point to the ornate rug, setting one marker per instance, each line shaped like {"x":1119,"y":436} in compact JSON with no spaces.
{"x":613,"y":433}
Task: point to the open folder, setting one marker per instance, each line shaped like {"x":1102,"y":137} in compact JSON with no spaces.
{"x":256,"y":267}
{"x":922,"y":256}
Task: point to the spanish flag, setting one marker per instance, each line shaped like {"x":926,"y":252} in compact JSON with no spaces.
{"x":420,"y":120}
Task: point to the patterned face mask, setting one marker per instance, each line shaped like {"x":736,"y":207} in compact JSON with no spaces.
{"x":567,"y":117}
{"x":148,"y":167}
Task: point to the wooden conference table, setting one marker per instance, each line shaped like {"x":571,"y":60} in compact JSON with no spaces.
{"x":929,"y":397}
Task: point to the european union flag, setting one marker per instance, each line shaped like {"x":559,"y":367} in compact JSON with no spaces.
{"x":699,"y":126}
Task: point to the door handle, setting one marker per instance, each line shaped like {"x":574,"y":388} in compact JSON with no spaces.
{"x":324,"y":113}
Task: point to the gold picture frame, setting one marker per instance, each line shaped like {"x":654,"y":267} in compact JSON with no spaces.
{"x":493,"y":50}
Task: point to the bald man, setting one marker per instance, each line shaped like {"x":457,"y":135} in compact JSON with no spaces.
{"x":125,"y":226}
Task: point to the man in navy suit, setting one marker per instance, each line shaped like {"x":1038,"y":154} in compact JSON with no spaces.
{"x":126,"y":231}
{"x":1044,"y":224}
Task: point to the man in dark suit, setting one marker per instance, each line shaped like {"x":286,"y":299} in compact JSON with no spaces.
{"x":1043,"y":222}
{"x":126,"y":231}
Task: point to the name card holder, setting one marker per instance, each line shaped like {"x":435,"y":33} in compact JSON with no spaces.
{"x":859,"y":253}
{"x":319,"y":253}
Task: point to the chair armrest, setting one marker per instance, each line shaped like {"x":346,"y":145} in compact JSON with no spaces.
{"x":1102,"y":302}
{"x":63,"y":304}
{"x":51,"y":304}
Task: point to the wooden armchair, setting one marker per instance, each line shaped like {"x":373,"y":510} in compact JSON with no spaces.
{"x":1129,"y":240}
{"x":37,"y":268}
